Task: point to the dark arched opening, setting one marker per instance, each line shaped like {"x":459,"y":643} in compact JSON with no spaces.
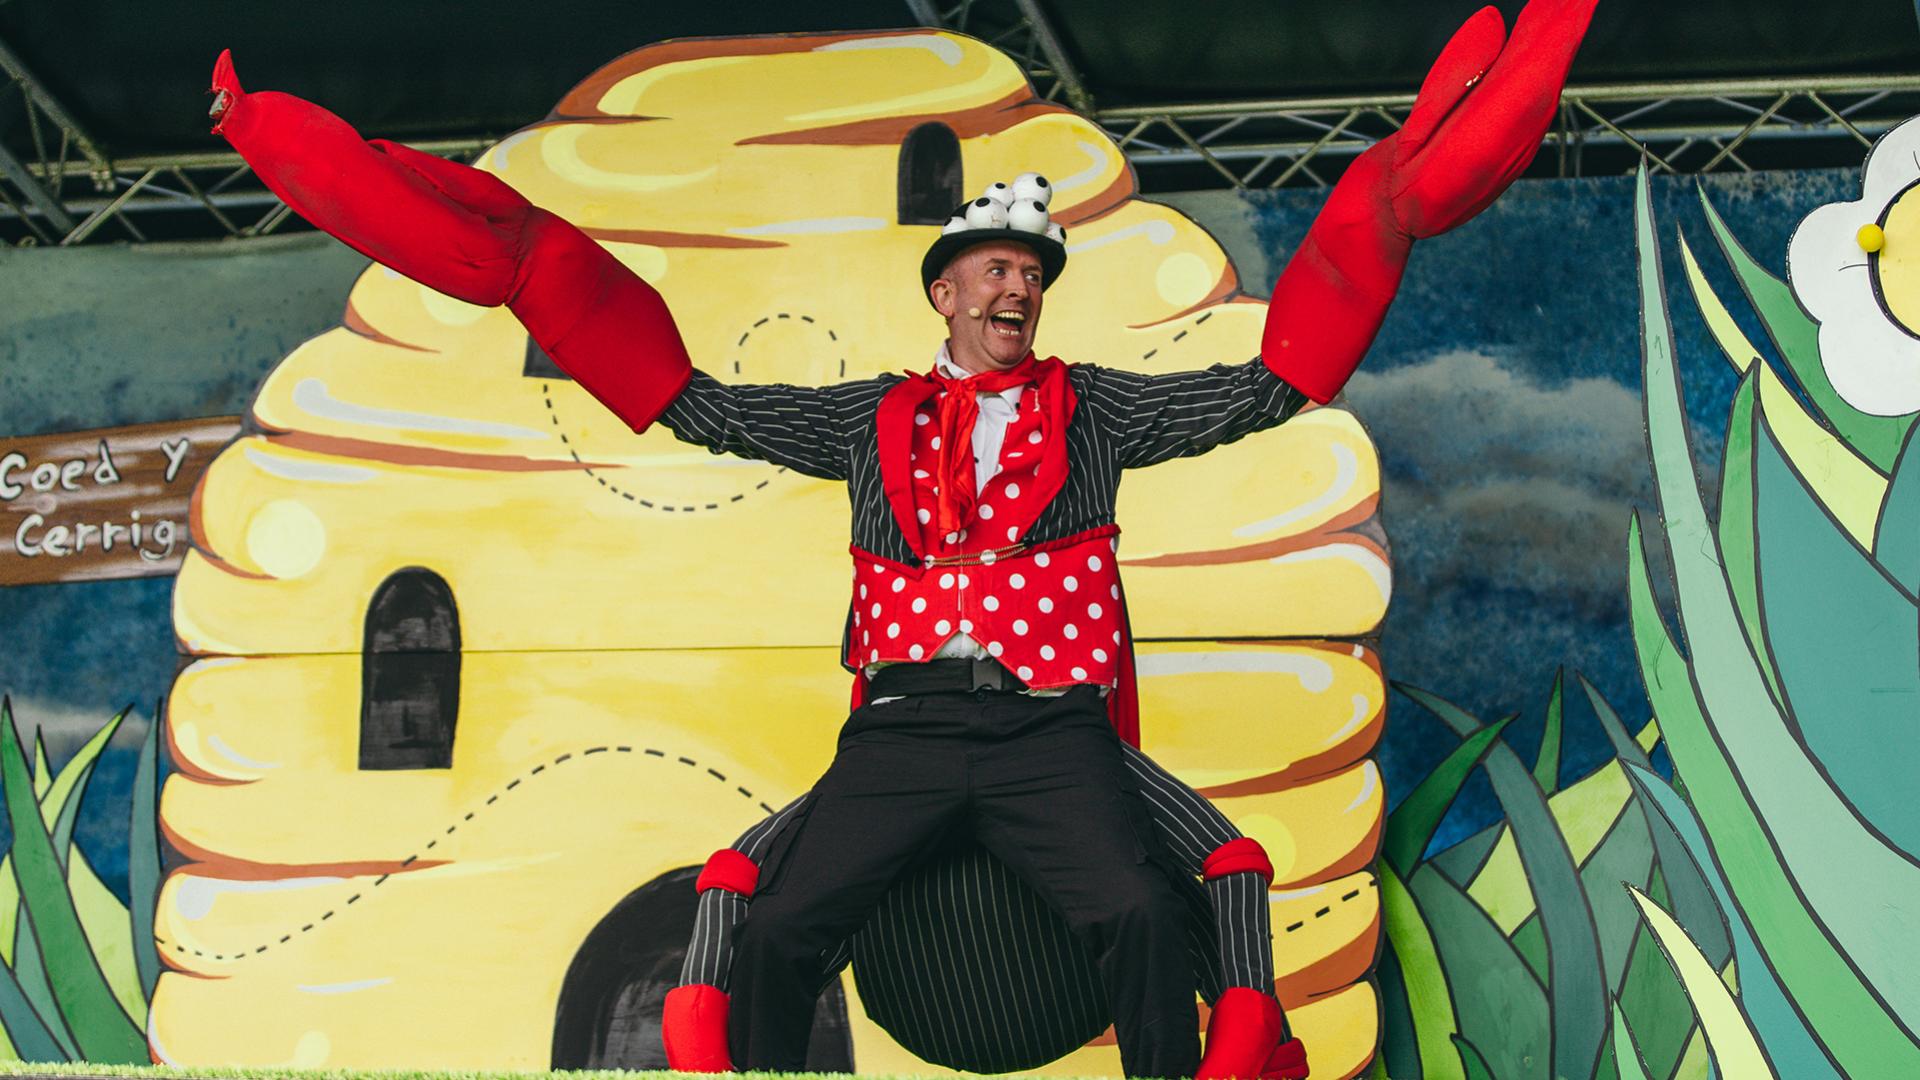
{"x":610,"y":1003}
{"x":931,"y":184}
{"x":410,"y":673}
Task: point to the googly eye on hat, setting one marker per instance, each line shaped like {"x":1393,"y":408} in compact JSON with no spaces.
{"x":1031,"y":185}
{"x":1002,"y":212}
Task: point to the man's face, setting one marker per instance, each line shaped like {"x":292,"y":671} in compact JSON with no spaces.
{"x":1000,"y":280}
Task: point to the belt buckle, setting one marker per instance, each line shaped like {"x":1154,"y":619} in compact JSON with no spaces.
{"x":988,"y":674}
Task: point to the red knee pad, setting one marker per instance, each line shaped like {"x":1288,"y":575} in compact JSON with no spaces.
{"x":728,"y":869}
{"x":694,"y":1027}
{"x":1238,"y":856}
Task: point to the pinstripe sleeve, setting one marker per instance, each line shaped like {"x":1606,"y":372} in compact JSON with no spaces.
{"x":1156,"y":418}
{"x":801,"y":427}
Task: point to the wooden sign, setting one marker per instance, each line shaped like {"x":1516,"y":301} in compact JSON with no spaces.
{"x":107,"y":503}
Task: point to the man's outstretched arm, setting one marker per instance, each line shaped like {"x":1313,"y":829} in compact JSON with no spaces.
{"x":1475,"y":126}
{"x":465,"y":233}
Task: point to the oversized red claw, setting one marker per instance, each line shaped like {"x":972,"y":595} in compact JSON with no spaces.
{"x":225,"y":89}
{"x":1475,"y":126}
{"x":1477,"y":136}
{"x":1462,"y":64}
{"x":465,"y":233}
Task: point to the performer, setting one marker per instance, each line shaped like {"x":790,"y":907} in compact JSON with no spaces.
{"x":961,"y":547}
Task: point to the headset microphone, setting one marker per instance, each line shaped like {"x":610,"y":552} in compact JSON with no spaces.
{"x":973,"y":312}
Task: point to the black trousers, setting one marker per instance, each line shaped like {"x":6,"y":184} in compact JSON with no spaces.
{"x":1042,"y":784}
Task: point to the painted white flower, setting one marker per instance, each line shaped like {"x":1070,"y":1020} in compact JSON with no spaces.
{"x":1867,"y":301}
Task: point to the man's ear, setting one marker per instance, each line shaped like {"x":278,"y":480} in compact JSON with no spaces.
{"x":946,"y":297}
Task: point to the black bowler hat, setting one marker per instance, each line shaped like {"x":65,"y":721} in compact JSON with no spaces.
{"x":959,"y":236}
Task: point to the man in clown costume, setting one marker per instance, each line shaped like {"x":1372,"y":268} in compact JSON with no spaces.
{"x":987,"y":629}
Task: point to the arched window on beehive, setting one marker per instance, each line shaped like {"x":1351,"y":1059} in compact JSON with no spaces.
{"x":410,"y":673}
{"x":931,"y":184}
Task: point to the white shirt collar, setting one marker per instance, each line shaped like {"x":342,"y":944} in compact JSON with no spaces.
{"x":943,"y":363}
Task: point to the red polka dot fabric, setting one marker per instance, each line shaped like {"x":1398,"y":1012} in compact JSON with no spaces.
{"x":1050,"y":613}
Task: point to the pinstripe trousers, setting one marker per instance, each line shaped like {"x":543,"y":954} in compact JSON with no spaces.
{"x":1189,"y":829}
{"x":1043,"y":785}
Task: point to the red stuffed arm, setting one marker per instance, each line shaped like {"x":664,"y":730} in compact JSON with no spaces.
{"x":465,"y":233}
{"x":1475,"y":126}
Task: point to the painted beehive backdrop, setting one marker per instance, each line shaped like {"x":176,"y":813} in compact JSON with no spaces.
{"x":478,"y":673}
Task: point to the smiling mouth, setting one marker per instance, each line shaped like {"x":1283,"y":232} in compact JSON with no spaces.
{"x":1008,"y":323}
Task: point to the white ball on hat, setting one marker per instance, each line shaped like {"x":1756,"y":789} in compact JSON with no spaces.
{"x":1055,"y":233}
{"x":999,"y":193}
{"x":986,"y":212}
{"x":954,"y":225}
{"x":1027,"y":215}
{"x":1031,"y":185}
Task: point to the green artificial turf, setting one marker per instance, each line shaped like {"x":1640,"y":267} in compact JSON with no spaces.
{"x":228,"y":1072}
{"x":231,"y":1072}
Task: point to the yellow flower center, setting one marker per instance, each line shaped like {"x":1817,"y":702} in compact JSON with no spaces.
{"x":1896,"y":261}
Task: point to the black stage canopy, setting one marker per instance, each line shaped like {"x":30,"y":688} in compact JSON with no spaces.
{"x":131,"y":74}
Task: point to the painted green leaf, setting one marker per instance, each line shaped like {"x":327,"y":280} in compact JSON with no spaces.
{"x":1735,"y":527}
{"x":1624,"y":857}
{"x":1736,"y":1052}
{"x":1687,"y":892}
{"x":102,"y":916}
{"x":1821,"y":842}
{"x":101,"y":1030}
{"x":1497,"y":1000}
{"x":143,"y":858}
{"x":42,"y":772}
{"x":1396,"y":1054}
{"x":1655,"y":1003}
{"x":1896,"y":535}
{"x":1428,"y":998}
{"x":1625,"y":1054}
{"x":1411,"y":826}
{"x":1733,"y":341}
{"x":25,"y":1030}
{"x":1846,"y":642}
{"x":1546,"y":766}
{"x":1471,"y":1061}
{"x":1792,"y":1048}
{"x":1463,"y":861}
{"x":1797,"y":338}
{"x":59,"y":797}
{"x":1578,"y":989}
{"x":60,"y":807}
{"x":1862,"y":1037}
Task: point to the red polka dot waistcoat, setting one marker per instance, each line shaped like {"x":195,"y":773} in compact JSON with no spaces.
{"x":1051,"y":612}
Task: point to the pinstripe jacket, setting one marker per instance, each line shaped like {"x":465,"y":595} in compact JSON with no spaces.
{"x":1123,"y":420}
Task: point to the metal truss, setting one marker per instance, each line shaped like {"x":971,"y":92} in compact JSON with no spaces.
{"x":1021,"y":30}
{"x":1735,"y":125}
{"x":68,"y":190}
{"x":1679,"y":127}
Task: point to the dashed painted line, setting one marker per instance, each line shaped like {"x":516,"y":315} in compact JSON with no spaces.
{"x":1325,"y":911}
{"x":451,"y":829}
{"x":1155,"y":351}
{"x":546,"y":394}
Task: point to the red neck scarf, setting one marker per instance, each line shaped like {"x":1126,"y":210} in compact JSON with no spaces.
{"x":959,"y":409}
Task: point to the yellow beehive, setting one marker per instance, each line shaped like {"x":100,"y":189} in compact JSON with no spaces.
{"x":629,"y":689}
